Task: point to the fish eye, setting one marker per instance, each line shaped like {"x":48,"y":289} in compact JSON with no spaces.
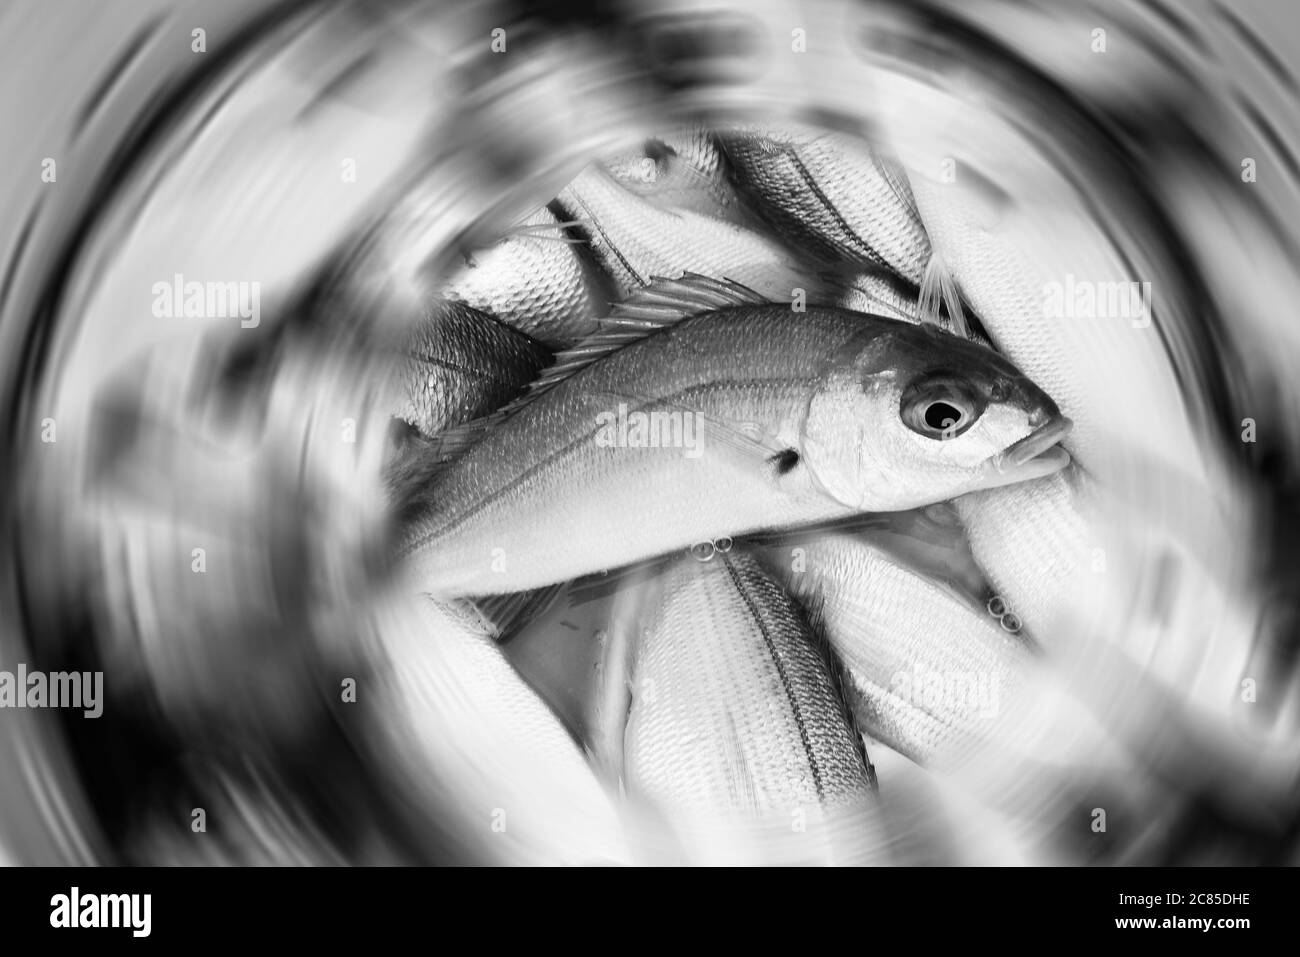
{"x":940,"y":406}
{"x":943,"y":415}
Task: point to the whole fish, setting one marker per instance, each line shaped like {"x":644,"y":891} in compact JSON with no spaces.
{"x":928,"y":668}
{"x":487,"y":770}
{"x":833,"y":193}
{"x":738,"y":418}
{"x":635,"y":241}
{"x":533,"y":281}
{"x":735,"y":729}
{"x":461,"y":364}
{"x":681,"y":169}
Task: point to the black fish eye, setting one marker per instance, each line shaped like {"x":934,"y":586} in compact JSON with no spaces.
{"x":942,"y":415}
{"x":941,"y":406}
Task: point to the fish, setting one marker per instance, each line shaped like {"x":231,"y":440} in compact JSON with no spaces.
{"x":934,"y":677}
{"x":734,"y":418}
{"x":533,"y":281}
{"x":833,"y":193}
{"x":848,"y":203}
{"x":635,"y":241}
{"x":460,"y":364}
{"x":1036,"y":545}
{"x":878,"y":292}
{"x":926,"y":666}
{"x":681,"y":169}
{"x":486,"y":771}
{"x":1139,"y":496}
{"x":735,"y":730}
{"x":1079,"y":292}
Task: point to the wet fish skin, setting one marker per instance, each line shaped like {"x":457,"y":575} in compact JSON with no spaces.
{"x":928,"y":668}
{"x":682,"y":169}
{"x":832,"y":192}
{"x":635,"y":241}
{"x":534,"y":281}
{"x":812,"y":428}
{"x":934,"y":677}
{"x":736,"y":715}
{"x":461,"y":364}
{"x":879,"y":293}
{"x":1034,"y":543}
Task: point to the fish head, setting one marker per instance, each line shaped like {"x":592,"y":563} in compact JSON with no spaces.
{"x":912,"y":415}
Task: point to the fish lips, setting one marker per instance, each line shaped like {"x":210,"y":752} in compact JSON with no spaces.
{"x":1039,"y":453}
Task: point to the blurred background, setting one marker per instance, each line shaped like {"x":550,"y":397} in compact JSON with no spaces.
{"x":197,"y":509}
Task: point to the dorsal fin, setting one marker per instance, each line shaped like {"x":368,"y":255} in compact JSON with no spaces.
{"x":663,"y":303}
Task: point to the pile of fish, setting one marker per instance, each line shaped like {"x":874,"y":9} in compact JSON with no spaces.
{"x":705,"y":482}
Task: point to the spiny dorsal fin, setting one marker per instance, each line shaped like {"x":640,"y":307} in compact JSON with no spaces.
{"x":663,"y":303}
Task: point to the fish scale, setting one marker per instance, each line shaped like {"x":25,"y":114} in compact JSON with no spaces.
{"x":736,"y":730}
{"x":834,"y":193}
{"x":892,"y":627}
{"x":461,"y":364}
{"x":533,"y":281}
{"x":681,"y":169}
{"x":738,"y":709}
{"x":1031,"y":570}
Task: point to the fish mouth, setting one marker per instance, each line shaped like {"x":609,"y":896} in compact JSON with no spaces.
{"x":1038,"y":453}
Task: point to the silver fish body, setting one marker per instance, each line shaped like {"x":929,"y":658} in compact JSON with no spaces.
{"x":486,"y":767}
{"x":534,"y":281}
{"x":736,"y":717}
{"x":834,"y":194}
{"x":879,"y":293}
{"x":1034,"y":543}
{"x":460,"y":365}
{"x":760,"y":422}
{"x":636,"y":241}
{"x":934,"y":677}
{"x":681,"y":169}
{"x":928,"y":668}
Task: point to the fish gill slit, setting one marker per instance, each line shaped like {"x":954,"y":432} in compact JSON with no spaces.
{"x":783,"y":674}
